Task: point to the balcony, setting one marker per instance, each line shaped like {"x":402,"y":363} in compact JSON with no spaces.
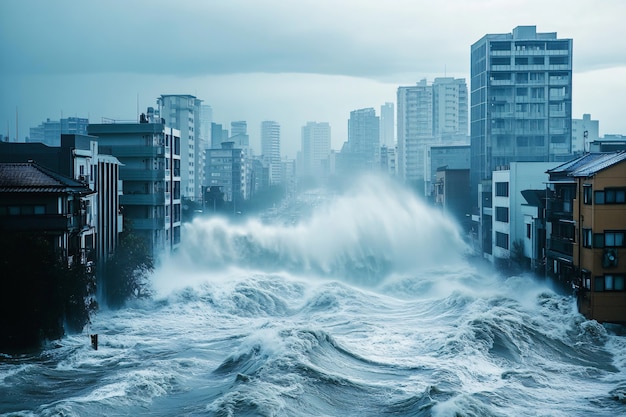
{"x":562,"y":246}
{"x":148,"y":224}
{"x":142,"y":174}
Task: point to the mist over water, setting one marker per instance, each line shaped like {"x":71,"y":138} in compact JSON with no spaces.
{"x":363,"y":303}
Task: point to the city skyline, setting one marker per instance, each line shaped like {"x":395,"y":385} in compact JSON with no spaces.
{"x":293,"y":68}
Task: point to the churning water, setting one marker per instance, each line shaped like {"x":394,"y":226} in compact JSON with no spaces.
{"x":364,"y":305}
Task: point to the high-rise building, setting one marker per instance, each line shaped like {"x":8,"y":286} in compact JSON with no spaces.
{"x":387,"y":125}
{"x":429,"y":114}
{"x":270,"y":150}
{"x":363,"y":140}
{"x":182,"y":112}
{"x":239,"y":135}
{"x":521,"y":100}
{"x":315,"y":149}
{"x":218,"y":135}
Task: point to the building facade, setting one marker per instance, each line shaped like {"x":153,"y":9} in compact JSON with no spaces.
{"x":182,"y":112}
{"x":50,"y":131}
{"x":521,"y":100}
{"x":387,"y":125}
{"x":150,"y":154}
{"x":584,"y":132}
{"x":270,"y":150}
{"x":364,"y":139}
{"x":315,"y":149}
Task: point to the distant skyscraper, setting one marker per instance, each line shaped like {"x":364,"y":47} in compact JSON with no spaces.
{"x":182,"y":112}
{"x":364,"y":139}
{"x":270,"y":149}
{"x":239,"y":135}
{"x":428,"y":114}
{"x":315,"y":149}
{"x":206,"y":118}
{"x":49,"y":132}
{"x":238,"y":127}
{"x":387,"y":125}
{"x":521,"y":100}
{"x":218,"y":135}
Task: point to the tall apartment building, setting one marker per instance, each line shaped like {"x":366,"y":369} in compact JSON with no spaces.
{"x":182,"y":112}
{"x":428,"y":114}
{"x":315,"y":148}
{"x":387,"y":125}
{"x":270,"y":150}
{"x":225,"y":168}
{"x":363,"y":140}
{"x":50,"y":131}
{"x":150,"y":154}
{"x":218,"y":135}
{"x":521,"y":100}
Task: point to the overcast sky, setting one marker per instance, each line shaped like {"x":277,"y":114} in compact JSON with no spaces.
{"x":291,"y":61}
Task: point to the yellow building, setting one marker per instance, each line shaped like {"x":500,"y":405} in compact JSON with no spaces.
{"x":599,"y":251}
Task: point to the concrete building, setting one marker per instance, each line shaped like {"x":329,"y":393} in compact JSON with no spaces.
{"x":270,"y":150}
{"x":438,"y":156}
{"x":428,"y":114}
{"x":225,"y":169}
{"x":387,"y":125}
{"x":388,"y":162}
{"x":182,"y":112}
{"x":50,"y":131}
{"x":363,"y":141}
{"x":584,"y":132}
{"x":315,"y":150}
{"x":80,"y":158}
{"x":451,"y":195}
{"x":150,"y":154}
{"x":509,"y":228}
{"x":521,"y":100}
{"x":218,"y":135}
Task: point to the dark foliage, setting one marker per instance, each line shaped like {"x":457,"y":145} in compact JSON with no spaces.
{"x":126,"y":273}
{"x":39,"y":293}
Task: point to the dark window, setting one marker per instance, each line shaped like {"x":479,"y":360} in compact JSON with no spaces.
{"x":614,"y":239}
{"x":609,"y":283}
{"x":587,"y":236}
{"x":502,"y":214}
{"x":502,"y":189}
{"x":614,"y":196}
{"x":599,"y":197}
{"x":598,"y":240}
{"x":502,"y":240}
{"x":528,"y":230}
{"x":587,"y":193}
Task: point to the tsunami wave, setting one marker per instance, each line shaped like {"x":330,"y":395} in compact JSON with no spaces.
{"x":366,"y":306}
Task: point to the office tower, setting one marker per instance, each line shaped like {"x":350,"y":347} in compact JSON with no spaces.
{"x":150,"y":173}
{"x":521,"y":100}
{"x":363,"y":139}
{"x":182,"y":112}
{"x":450,"y":109}
{"x":50,"y":131}
{"x":239,"y":135}
{"x":206,"y":118}
{"x":315,"y":148}
{"x":387,"y":125}
{"x":270,"y":150}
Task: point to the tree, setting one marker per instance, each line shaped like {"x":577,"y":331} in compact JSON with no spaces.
{"x":126,"y":272}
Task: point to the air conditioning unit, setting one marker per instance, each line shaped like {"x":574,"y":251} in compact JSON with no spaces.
{"x":609,"y":258}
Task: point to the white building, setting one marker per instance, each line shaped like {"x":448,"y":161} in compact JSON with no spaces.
{"x":270,"y":150}
{"x":584,"y":131}
{"x":315,"y":144}
{"x":387,"y":125}
{"x":509,"y":221}
{"x":182,"y":112}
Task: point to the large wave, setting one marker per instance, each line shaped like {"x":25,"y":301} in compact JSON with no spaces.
{"x":374,"y":229}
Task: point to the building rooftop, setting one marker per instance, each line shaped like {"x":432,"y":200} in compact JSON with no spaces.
{"x":31,"y":177}
{"x":589,"y":164}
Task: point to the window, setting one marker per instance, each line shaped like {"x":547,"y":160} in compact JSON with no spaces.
{"x":614,"y":239}
{"x":614,"y":196}
{"x":502,"y":189}
{"x":599,"y":197}
{"x":502,"y":214}
{"x":528,"y":230}
{"x":502,"y":240}
{"x":587,"y":193}
{"x":587,"y":236}
{"x":609,"y":283}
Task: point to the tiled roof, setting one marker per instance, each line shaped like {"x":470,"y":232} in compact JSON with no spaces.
{"x":606,"y":160}
{"x":588,"y":164}
{"x":30,"y":177}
